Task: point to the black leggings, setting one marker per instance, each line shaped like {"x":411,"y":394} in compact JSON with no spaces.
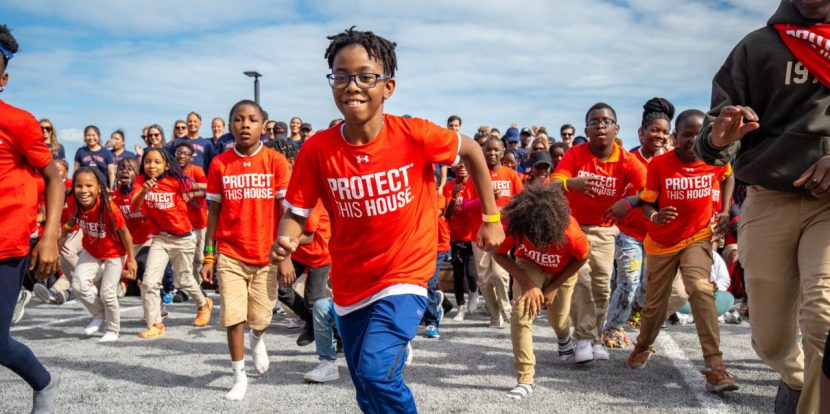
{"x":463,"y":270}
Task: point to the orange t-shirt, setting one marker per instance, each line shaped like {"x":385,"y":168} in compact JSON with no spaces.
{"x":22,"y":152}
{"x":635,"y":224}
{"x":459,"y":228}
{"x":164,"y":207}
{"x":506,"y":184}
{"x":249,"y":188}
{"x":136,"y":222}
{"x":620,"y":169}
{"x":553,"y":259}
{"x":316,"y":254}
{"x":688,"y":188}
{"x":381,"y":198}
{"x":100,"y":238}
{"x":197,"y":208}
{"x":443,"y":227}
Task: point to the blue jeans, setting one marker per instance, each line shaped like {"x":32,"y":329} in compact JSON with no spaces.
{"x":374,"y":343}
{"x":324,"y":322}
{"x":14,"y":355}
{"x":431,"y":314}
{"x":628,"y":273}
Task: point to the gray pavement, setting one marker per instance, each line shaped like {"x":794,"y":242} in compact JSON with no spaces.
{"x":468,"y":370}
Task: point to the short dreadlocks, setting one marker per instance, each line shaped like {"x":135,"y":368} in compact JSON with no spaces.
{"x":377,"y":47}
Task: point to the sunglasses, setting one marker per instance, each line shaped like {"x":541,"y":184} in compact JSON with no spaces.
{"x":181,"y":127}
{"x":46,"y":128}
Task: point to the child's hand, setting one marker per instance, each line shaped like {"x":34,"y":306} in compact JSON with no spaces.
{"x":550,"y":296}
{"x":617,"y":211}
{"x":150,"y":184}
{"x":587,"y":185}
{"x":207,"y":273}
{"x":132,"y":269}
{"x":533,"y":300}
{"x":282,"y":248}
{"x":721,"y":223}
{"x":44,"y":259}
{"x":665,"y":216}
{"x":285,"y":273}
{"x":490,"y":236}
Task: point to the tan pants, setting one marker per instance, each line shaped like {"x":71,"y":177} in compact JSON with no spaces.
{"x":784,"y":247}
{"x":521,"y":325}
{"x":695,"y":264}
{"x":677,"y":297}
{"x":199,"y":254}
{"x":95,"y":284}
{"x":493,"y":282}
{"x":249,"y":292}
{"x":69,"y":260}
{"x":179,"y":250}
{"x":593,"y":286}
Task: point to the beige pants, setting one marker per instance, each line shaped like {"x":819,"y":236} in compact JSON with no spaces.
{"x":784,"y":247}
{"x":249,"y":292}
{"x":521,"y":324}
{"x":493,"y":282}
{"x":199,"y":254}
{"x":593,"y":286}
{"x":95,"y":284}
{"x":69,"y":260}
{"x":695,"y":264}
{"x":179,"y":250}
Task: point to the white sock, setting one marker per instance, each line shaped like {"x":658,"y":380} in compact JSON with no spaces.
{"x":259,"y":353}
{"x":240,"y":382}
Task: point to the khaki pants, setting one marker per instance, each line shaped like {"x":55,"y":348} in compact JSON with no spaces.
{"x":68,"y":260}
{"x":179,"y":250}
{"x":249,"y":292}
{"x":100,"y":301}
{"x":493,"y":282}
{"x":521,"y":325}
{"x":593,"y":286}
{"x":199,"y":254}
{"x":785,"y":251}
{"x":695,"y":263}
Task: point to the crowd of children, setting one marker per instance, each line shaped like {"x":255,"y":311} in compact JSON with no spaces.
{"x":597,"y":236}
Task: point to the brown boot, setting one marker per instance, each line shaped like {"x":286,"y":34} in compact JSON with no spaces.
{"x":718,"y":379}
{"x":639,"y":356}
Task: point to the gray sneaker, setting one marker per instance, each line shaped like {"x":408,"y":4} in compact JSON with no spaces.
{"x":61,"y":297}
{"x":43,"y":293}
{"x":20,"y":307}
{"x":44,"y":400}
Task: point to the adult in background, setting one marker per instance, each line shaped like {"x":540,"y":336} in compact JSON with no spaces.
{"x":116,"y":145}
{"x":191,"y":135}
{"x":769,"y":104}
{"x":50,"y":136}
{"x":567,"y":132}
{"x":94,"y":155}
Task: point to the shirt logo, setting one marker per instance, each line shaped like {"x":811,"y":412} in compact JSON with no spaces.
{"x":246,"y":164}
{"x":362,"y":158}
{"x":689,"y":169}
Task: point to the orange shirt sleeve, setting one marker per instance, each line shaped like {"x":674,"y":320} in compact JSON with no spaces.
{"x":441,"y":145}
{"x":567,"y":167}
{"x":282,"y":175}
{"x":652,"y":188}
{"x":305,"y":187}
{"x":724,"y":172}
{"x":518,"y":185}
{"x":635,"y":173}
{"x":579,"y":243}
{"x":118,"y":217}
{"x":29,"y":141}
{"x":214,"y":181}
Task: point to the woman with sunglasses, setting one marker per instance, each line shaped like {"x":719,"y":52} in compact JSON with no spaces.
{"x":50,"y":136}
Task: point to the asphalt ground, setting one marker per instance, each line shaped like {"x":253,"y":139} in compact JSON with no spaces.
{"x":468,"y":370}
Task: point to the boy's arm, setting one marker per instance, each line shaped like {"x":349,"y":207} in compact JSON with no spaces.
{"x":727,"y":186}
{"x":491,"y":234}
{"x":568,"y":272}
{"x":532,"y":295}
{"x":44,"y":255}
{"x":291,"y":228}
{"x":213,"y":216}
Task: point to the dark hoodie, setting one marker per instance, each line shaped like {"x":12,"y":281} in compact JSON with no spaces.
{"x":793,"y":109}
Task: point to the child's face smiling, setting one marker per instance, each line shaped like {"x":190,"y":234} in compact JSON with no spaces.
{"x":358,"y":106}
{"x":86,"y":189}
{"x":154,"y":164}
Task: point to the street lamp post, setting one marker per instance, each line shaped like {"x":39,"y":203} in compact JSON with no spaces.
{"x":256,"y":75}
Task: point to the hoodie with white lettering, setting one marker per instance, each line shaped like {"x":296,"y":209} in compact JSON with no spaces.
{"x":793,"y":109}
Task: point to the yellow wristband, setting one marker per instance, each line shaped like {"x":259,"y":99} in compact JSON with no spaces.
{"x":66,"y":227}
{"x":491,"y":218}
{"x":565,"y":184}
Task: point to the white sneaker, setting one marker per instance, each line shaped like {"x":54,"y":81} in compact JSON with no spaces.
{"x":685,"y":319}
{"x":326,"y":371}
{"x":506,"y":317}
{"x":23,"y":298}
{"x":109,"y":337}
{"x":409,"y":354}
{"x":472,"y":302}
{"x":497,"y":322}
{"x":240,"y":386}
{"x":94,"y":326}
{"x":600,"y":353}
{"x":462,"y":311}
{"x":566,"y":348}
{"x":258,"y":352}
{"x":584,"y":351}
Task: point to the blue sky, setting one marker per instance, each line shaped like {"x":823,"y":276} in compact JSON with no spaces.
{"x":126,"y":64}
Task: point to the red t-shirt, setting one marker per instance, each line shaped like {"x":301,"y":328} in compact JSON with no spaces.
{"x":381,"y":197}
{"x":620,"y":169}
{"x":100,"y":238}
{"x":249,"y":188}
{"x":22,"y":153}
{"x":460,"y":230}
{"x":635,"y":224}
{"x":553,"y":259}
{"x":165,"y":207}
{"x":316,"y":254}
{"x":686,"y":187}
{"x":197,"y":208}
{"x":136,"y":222}
{"x":443,"y":227}
{"x":506,"y":184}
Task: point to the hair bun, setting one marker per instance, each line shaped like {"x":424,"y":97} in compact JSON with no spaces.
{"x":658,"y":106}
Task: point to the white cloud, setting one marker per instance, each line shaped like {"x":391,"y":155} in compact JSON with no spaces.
{"x":489,"y":62}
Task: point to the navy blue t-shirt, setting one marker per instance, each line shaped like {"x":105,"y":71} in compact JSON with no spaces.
{"x":125,"y":154}
{"x":58,"y":153}
{"x":200,"y":145}
{"x":99,"y":159}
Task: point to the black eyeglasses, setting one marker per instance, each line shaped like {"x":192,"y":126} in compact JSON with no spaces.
{"x":604,"y":122}
{"x":364,"y":80}
{"x":46,"y":128}
{"x":181,"y":127}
